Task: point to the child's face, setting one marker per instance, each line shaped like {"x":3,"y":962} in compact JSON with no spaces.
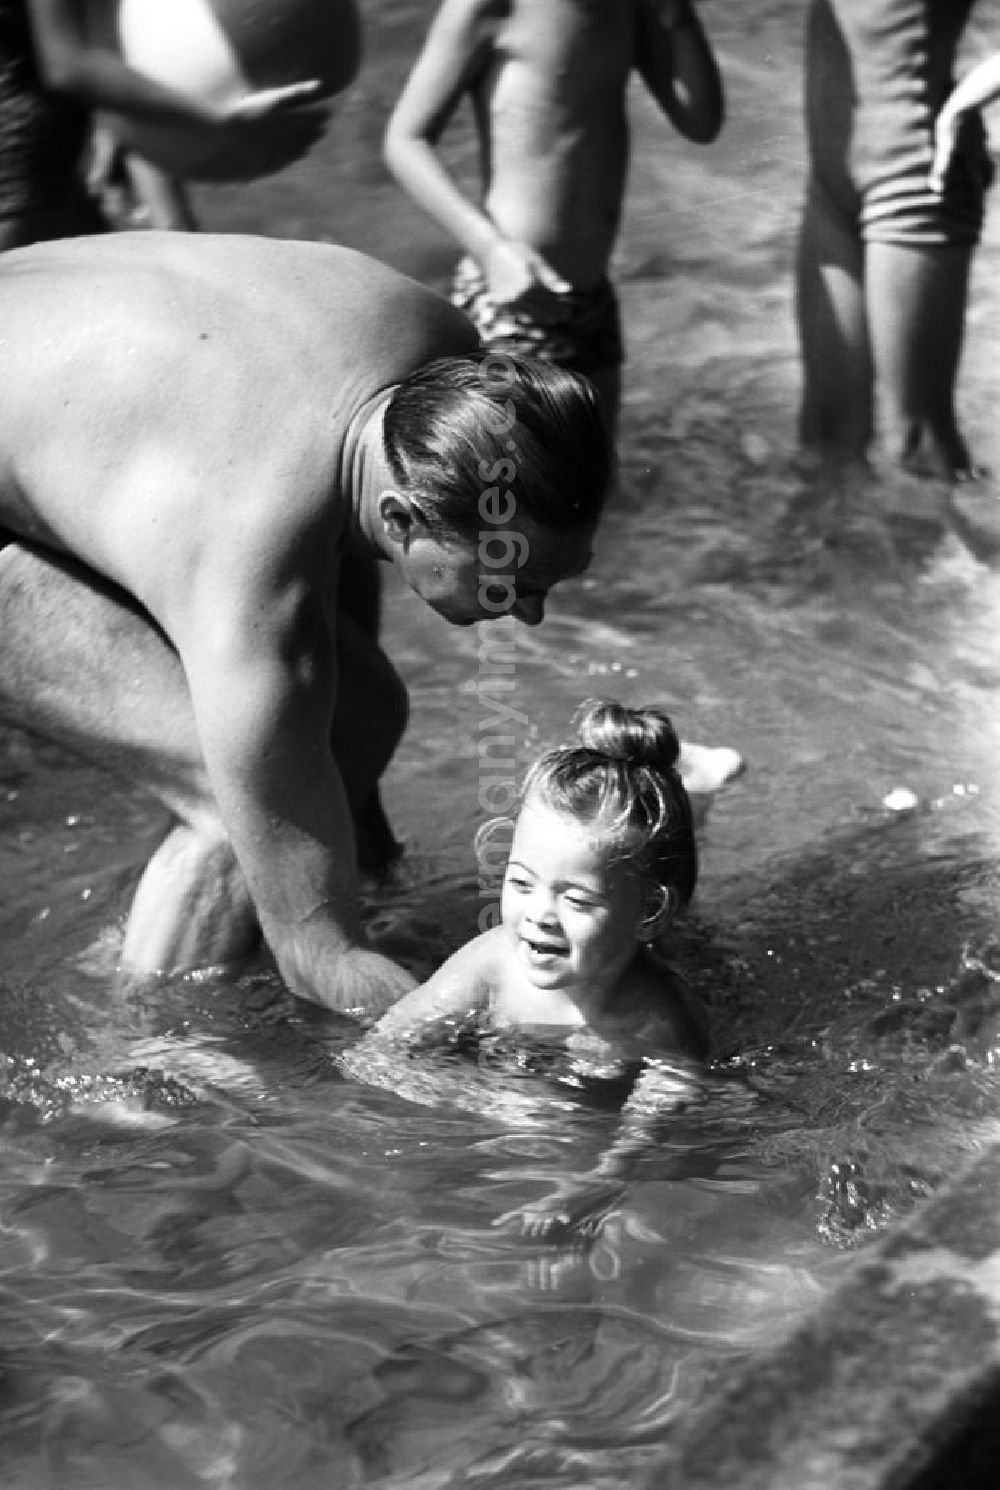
{"x":572,"y":911}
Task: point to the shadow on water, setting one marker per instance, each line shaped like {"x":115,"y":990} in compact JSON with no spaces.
{"x":223,"y":1262}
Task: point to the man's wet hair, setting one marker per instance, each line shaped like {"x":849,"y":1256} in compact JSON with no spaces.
{"x":460,"y":425}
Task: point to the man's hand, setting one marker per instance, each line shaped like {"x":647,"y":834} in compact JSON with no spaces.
{"x":366,"y":984}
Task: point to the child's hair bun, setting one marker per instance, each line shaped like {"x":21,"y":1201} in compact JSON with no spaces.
{"x":622,"y":778}
{"x":640,"y":737}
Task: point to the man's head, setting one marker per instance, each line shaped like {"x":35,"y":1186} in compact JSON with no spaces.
{"x":501,"y":466}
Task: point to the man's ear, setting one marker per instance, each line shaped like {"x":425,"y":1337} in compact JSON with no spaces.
{"x":659,"y":906}
{"x":399,"y":515}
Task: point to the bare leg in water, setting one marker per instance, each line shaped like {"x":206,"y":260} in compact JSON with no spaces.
{"x":837,"y":415}
{"x":916,"y":300}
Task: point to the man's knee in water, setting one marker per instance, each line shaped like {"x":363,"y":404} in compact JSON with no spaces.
{"x":192,"y":907}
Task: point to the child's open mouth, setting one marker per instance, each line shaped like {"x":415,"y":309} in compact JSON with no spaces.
{"x":542,"y":951}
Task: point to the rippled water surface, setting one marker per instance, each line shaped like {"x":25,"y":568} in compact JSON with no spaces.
{"x":225,"y":1263}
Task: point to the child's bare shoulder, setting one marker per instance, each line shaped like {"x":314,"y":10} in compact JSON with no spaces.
{"x":669,"y":1018}
{"x":485,"y":953}
{"x":463,"y":982}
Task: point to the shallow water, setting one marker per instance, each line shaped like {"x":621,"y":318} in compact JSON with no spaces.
{"x":224,"y":1263}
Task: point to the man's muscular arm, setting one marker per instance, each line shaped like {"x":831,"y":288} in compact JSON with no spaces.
{"x":262,"y":675}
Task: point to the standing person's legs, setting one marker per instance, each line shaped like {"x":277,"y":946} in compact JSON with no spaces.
{"x":82,"y":664}
{"x":917,"y":298}
{"x":837,"y":412}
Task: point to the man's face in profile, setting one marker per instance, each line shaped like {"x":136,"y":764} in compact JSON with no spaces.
{"x":507,"y":570}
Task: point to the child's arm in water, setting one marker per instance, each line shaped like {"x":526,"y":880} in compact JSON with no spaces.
{"x":460,"y":986}
{"x":677,"y":64}
{"x":977,"y":90}
{"x":459,"y":989}
{"x":669,"y":1080}
{"x":459,"y":47}
{"x":580,"y":1204}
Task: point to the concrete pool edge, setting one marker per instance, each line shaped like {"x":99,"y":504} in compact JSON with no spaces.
{"x":892,"y":1384}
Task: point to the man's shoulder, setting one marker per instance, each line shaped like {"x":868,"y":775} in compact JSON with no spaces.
{"x":328,"y":290}
{"x":412,"y":322}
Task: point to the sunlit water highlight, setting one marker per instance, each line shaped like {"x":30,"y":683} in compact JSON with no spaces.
{"x":223,"y":1261}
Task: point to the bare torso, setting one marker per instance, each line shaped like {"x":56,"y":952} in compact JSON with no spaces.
{"x":177,"y":408}
{"x":552,"y":101}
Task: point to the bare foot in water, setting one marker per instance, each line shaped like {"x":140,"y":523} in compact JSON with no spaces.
{"x":975,"y":509}
{"x":705,"y":769}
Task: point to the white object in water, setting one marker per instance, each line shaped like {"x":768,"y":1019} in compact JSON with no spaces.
{"x":707,"y":768}
{"x":901,"y":799}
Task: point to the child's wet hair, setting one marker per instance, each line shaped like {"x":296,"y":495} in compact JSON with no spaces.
{"x":623,"y":778}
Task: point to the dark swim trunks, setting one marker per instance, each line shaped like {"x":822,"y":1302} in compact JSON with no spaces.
{"x":41,"y":137}
{"x":579,"y":329}
{"x":877,"y":74}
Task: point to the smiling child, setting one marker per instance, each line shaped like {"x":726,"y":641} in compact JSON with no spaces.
{"x":603,"y":857}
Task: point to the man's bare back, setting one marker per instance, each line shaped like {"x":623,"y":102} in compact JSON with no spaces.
{"x":195,"y":365}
